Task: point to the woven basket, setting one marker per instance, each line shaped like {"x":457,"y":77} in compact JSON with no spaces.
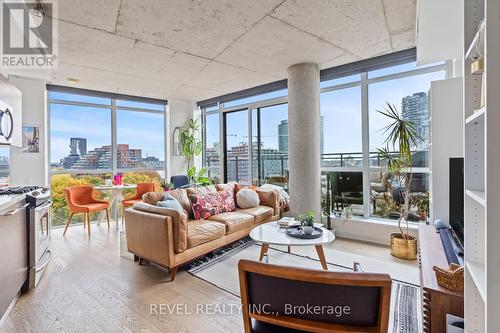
{"x":451,"y":278}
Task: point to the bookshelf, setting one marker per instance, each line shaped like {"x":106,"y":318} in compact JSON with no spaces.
{"x":482,"y":166}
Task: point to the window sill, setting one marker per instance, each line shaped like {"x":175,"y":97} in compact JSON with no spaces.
{"x":369,"y":229}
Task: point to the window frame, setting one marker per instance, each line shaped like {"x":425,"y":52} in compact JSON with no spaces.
{"x":364,"y":82}
{"x":114,"y":132}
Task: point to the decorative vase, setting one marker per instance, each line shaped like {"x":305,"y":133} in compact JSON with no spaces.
{"x":308,"y":229}
{"x":404,"y":248}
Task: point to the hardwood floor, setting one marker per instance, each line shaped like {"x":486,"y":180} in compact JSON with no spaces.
{"x":88,"y":287}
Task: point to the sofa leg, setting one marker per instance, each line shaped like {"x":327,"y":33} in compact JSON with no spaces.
{"x":140,"y":261}
{"x":173,"y":271}
{"x":136,"y":258}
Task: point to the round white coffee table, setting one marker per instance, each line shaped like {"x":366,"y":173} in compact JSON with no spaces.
{"x":271,"y":234}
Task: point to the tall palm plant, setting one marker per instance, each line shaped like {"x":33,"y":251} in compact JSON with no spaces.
{"x":401,"y":134}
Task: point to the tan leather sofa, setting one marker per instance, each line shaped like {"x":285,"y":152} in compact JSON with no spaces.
{"x":170,"y":238}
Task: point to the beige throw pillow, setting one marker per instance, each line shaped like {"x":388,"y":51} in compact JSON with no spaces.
{"x":247,"y":198}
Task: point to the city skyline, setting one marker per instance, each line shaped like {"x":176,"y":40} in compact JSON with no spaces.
{"x":101,"y":157}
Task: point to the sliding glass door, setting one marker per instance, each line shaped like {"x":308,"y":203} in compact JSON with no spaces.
{"x":270,"y":144}
{"x":236,"y":146}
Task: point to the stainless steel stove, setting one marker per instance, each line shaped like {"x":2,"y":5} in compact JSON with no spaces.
{"x":38,"y":223}
{"x":38,"y":215}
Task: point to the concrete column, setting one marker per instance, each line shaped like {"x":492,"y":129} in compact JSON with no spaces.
{"x":304,"y":139}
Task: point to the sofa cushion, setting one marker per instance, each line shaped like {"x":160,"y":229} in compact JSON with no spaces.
{"x":238,"y":187}
{"x":181,"y":196}
{"x":203,"y":231}
{"x":170,"y":202}
{"x":234,"y":221}
{"x":229,"y":187}
{"x":201,"y":190}
{"x":152,"y":198}
{"x":260,"y":213}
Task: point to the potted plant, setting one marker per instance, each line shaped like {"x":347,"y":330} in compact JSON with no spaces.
{"x":423,"y":208}
{"x":327,"y":202}
{"x":401,"y":133}
{"x":307,"y":222}
{"x":191,"y":146}
{"x":166,"y":185}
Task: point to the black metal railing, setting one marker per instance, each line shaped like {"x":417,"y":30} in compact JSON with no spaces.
{"x":276,"y":164}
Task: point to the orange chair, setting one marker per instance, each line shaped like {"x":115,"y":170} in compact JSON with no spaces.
{"x":142,"y":188}
{"x":81,"y":200}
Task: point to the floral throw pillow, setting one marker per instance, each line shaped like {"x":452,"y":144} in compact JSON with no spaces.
{"x":227,"y":203}
{"x":205,"y":206}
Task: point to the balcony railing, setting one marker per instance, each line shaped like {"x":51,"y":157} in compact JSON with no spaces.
{"x":277,"y":164}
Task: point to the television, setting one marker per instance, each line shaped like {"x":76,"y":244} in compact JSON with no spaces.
{"x":453,"y":237}
{"x":456,"y":167}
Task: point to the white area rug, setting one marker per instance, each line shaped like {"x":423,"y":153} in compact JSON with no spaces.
{"x":220,"y":269}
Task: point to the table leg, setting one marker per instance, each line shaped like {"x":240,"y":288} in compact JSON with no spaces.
{"x":321,"y":255}
{"x":263,"y":251}
{"x":119,"y":198}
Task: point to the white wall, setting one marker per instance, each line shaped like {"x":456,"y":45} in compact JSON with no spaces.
{"x":31,"y":168}
{"x":445,"y":107}
{"x":179,"y":113}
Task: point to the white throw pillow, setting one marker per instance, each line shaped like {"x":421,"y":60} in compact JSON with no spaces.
{"x":247,"y":198}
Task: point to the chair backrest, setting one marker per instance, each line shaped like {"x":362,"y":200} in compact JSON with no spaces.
{"x":78,"y":195}
{"x":143,"y":188}
{"x":313,"y":300}
{"x":179,"y":180}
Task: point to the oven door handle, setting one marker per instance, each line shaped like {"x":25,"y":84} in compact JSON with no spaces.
{"x":12,"y":212}
{"x":38,"y":269}
{"x":45,"y":205}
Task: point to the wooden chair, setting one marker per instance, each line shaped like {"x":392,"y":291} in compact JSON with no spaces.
{"x":81,"y":200}
{"x":276,"y":299}
{"x":142,"y":188}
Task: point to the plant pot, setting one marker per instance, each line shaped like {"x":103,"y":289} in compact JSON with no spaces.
{"x":308,"y":229}
{"x":423,"y":216}
{"x":403,"y":248}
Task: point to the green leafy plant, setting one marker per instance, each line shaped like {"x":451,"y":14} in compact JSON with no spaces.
{"x":198,"y":176}
{"x":166,"y":185}
{"x":191,"y":146}
{"x":327,"y":201}
{"x":401,"y":133}
{"x":306,"y":219}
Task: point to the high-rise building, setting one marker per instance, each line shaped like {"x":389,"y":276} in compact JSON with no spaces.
{"x":415,"y":108}
{"x":78,"y":146}
{"x":102,"y":157}
{"x":283,"y":137}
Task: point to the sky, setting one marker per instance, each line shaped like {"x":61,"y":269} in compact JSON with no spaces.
{"x":138,"y":129}
{"x":341,"y":110}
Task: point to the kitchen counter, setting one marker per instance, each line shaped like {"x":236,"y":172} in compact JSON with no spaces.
{"x":11,"y":200}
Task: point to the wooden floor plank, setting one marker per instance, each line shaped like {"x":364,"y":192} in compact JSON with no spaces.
{"x":88,"y":287}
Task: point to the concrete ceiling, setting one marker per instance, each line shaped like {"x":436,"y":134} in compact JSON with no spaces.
{"x":196,"y":49}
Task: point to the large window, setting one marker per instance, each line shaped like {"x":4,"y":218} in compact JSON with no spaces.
{"x":341,"y":139}
{"x":351,"y":132}
{"x":93,"y":138}
{"x":212,"y":145}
